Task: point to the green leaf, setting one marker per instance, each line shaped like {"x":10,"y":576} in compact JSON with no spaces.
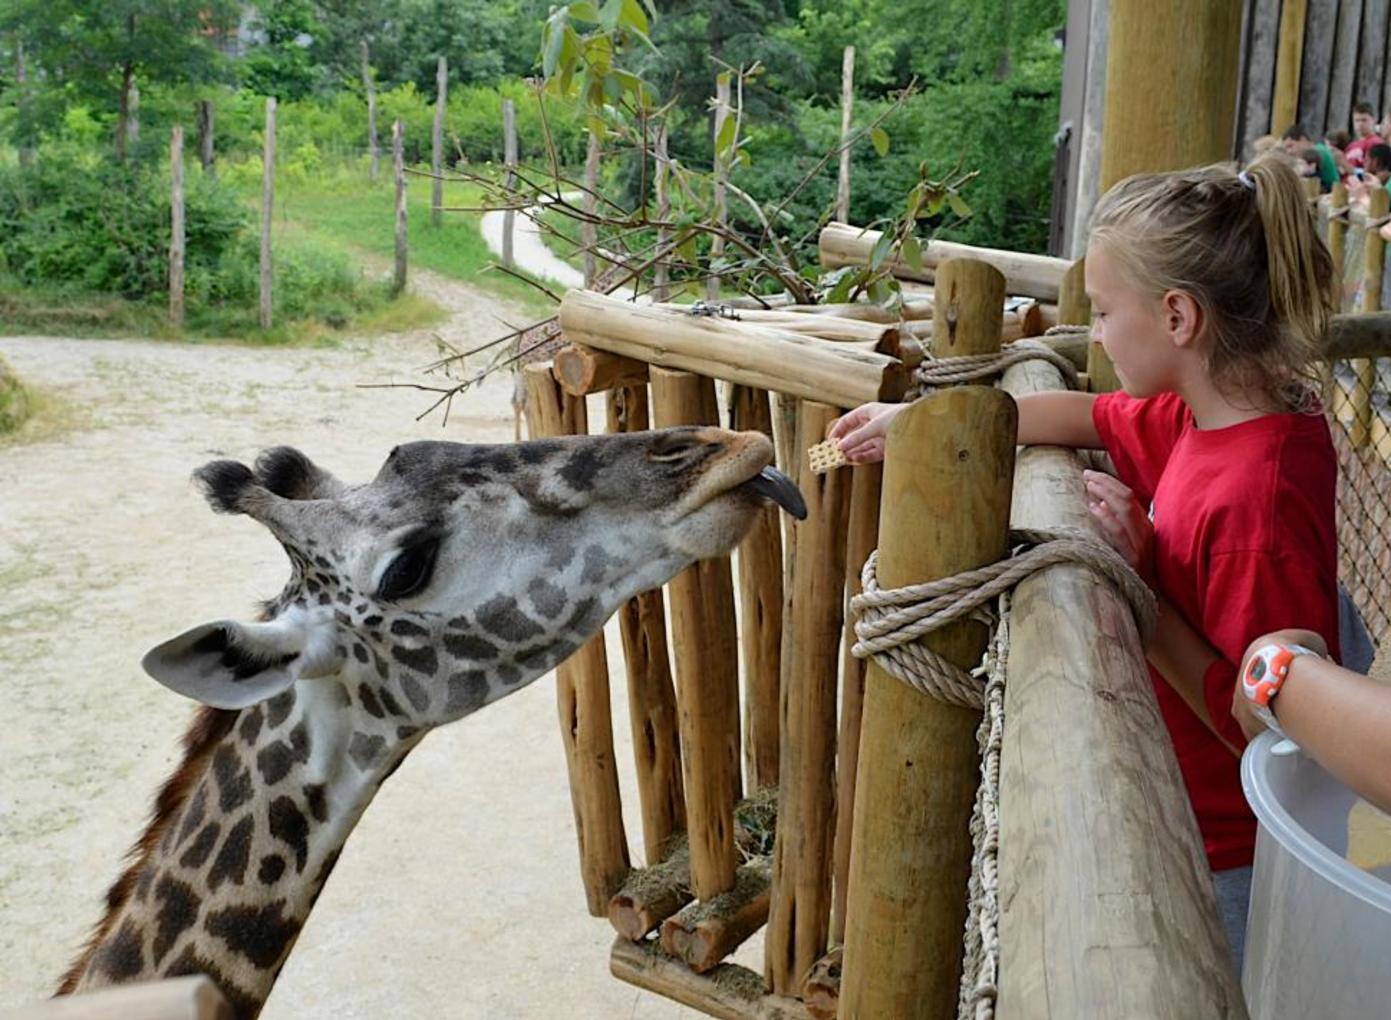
{"x":958,"y":205}
{"x":553,"y":43}
{"x":880,"y":138}
{"x":880,"y":252}
{"x":725,"y":139}
{"x":633,"y":16}
{"x":840,"y":293}
{"x":609,"y":16}
{"x":584,"y":11}
{"x":596,"y":125}
{"x":912,"y":252}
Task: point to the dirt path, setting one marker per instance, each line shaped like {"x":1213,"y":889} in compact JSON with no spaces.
{"x":459,"y":894}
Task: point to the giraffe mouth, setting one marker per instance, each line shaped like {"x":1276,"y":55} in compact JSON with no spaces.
{"x":771,"y":484}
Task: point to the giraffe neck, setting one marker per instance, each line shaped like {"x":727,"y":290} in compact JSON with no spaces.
{"x":232,"y":879}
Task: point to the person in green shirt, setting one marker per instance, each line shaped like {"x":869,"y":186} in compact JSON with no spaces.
{"x":1296,"y":140}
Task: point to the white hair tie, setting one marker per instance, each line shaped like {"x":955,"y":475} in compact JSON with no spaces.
{"x":1246,"y":181}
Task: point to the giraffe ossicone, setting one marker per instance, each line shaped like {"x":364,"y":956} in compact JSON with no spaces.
{"x":456,"y":576}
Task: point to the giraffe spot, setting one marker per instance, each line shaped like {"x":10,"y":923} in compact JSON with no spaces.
{"x":584,"y":618}
{"x":326,"y":869}
{"x":407,"y":628}
{"x":372,"y":621}
{"x":315,"y":801}
{"x":469,"y":646}
{"x":560,"y":556}
{"x":380,"y":664}
{"x":272,"y":867}
{"x":365,"y":750}
{"x":324,"y":598}
{"x":275,"y":762}
{"x":313,"y":586}
{"x":501,"y":616}
{"x":509,"y":674}
{"x":194,"y":814}
{"x":415,"y":693}
{"x":369,"y":701}
{"x":244,"y":1006}
{"x":459,"y":622}
{"x":250,"y":727}
{"x":422,"y":660}
{"x":548,"y":599}
{"x":233,"y":781}
{"x":534,"y":657}
{"x":540,"y":503}
{"x":278,"y":707}
{"x":319,"y":561}
{"x":359,"y":652}
{"x":230,"y":865}
{"x":261,"y":934}
{"x":471,"y":478}
{"x":198,"y":852}
{"x":344,"y":599}
{"x":123,"y":957}
{"x":341,"y":695}
{"x":581,"y":469}
{"x":406,"y":732}
{"x":390,"y":703}
{"x":142,"y":885}
{"x":299,"y":740}
{"x":596,"y":565}
{"x":467,"y":691}
{"x":287,"y":824}
{"x":177,"y":912}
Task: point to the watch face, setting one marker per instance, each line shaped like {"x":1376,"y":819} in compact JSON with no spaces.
{"x":1258,"y":670}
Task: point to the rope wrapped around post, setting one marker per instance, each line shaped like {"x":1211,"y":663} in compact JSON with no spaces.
{"x":966,"y":367}
{"x":891,"y":621}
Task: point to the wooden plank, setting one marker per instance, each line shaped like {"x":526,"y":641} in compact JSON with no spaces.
{"x":1346,"y":43}
{"x":437,"y":142}
{"x":1106,"y":904}
{"x":1289,"y":60}
{"x":176,"y":227}
{"x":721,"y":165}
{"x":509,"y":177}
{"x":398,"y":173}
{"x":1258,"y":84}
{"x":1320,"y":29}
{"x":374,"y":152}
{"x":267,"y":209}
{"x":703,"y":934}
{"x":589,"y":233}
{"x":847,"y":102}
{"x":583,"y":370}
{"x":185,"y":998}
{"x":1371,"y":60}
{"x":729,"y":992}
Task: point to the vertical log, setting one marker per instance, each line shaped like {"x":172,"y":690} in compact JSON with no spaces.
{"x":588,"y":234}
{"x":267,"y":209}
{"x":1371,"y":62}
{"x":1340,"y":83}
{"x":1284,"y":108}
{"x":374,"y":151}
{"x":398,"y":172}
{"x":660,"y":290}
{"x":1365,"y":368}
{"x":24,"y":101}
{"x":707,"y":674}
{"x":509,"y":162}
{"x":1075,"y":309}
{"x":582,"y":695}
{"x":437,"y":142}
{"x":712,"y":284}
{"x":1338,"y":235}
{"x":799,"y":916}
{"x":1316,"y":67}
{"x":847,"y":102}
{"x":176,"y":227}
{"x":866,"y":488}
{"x":207,"y":152}
{"x":133,"y":117}
{"x":651,"y":696}
{"x":945,"y":509}
{"x":761,"y":600}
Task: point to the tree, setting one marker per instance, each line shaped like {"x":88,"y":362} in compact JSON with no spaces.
{"x":282,"y":65}
{"x":100,"y":51}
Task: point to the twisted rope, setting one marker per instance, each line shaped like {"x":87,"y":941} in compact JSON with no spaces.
{"x":965,"y":367}
{"x":891,"y":621}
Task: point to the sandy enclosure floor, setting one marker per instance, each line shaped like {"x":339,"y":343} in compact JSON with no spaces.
{"x":459,"y":894}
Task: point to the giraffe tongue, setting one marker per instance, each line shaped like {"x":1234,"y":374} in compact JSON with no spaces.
{"x":770,"y":483}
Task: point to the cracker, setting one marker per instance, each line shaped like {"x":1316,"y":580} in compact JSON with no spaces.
{"x":825,"y":456}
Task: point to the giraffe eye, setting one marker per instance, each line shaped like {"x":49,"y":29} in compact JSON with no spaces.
{"x":409,"y":572}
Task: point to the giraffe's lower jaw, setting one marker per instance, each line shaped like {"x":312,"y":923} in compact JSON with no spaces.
{"x":772,"y":484}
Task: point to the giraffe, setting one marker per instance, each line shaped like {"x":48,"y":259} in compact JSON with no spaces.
{"x":455,"y":577}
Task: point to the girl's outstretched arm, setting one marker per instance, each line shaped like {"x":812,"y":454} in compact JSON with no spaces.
{"x":1055,"y":418}
{"x":1340,"y":718}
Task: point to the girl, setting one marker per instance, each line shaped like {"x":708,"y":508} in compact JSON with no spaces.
{"x":1211,"y":293}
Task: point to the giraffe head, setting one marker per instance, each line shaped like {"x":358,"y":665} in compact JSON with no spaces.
{"x":462,"y":572}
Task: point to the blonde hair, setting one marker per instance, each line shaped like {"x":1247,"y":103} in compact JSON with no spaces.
{"x":1244,"y":246}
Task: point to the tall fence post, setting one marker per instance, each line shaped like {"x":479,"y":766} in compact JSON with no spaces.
{"x":176,"y":226}
{"x":24,"y":101}
{"x":509,"y":162}
{"x":437,"y":142}
{"x":847,"y":102}
{"x":1289,"y":55}
{"x":398,"y":173}
{"x":588,"y":234}
{"x":373,"y":149}
{"x":267,"y":209}
{"x":945,"y":509}
{"x":712,"y":283}
{"x":207,"y":154}
{"x":1365,"y":368}
{"x":660,"y":272}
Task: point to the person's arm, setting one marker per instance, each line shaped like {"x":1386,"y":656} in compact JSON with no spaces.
{"x":1340,"y":718}
{"x":1054,"y":418}
{"x":1184,"y":659}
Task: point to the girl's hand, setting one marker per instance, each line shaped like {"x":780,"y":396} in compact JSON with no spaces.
{"x":1125,"y":524}
{"x":860,"y":433}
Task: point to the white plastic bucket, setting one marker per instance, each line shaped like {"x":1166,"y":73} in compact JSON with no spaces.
{"x":1318,"y":939}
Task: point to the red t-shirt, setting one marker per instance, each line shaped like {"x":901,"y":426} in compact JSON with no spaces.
{"x":1245,"y":543}
{"x":1356,"y":152}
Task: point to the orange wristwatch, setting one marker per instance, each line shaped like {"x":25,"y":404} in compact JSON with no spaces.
{"x":1265,"y":672}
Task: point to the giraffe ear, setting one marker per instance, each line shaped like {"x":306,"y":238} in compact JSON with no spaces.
{"x":228,"y":664}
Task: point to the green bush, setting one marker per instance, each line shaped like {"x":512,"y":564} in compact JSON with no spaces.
{"x":14,"y":401}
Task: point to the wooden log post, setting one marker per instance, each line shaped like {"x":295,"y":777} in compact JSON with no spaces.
{"x":24,"y":105}
{"x":945,"y":508}
{"x":176,"y":227}
{"x":650,"y":895}
{"x":183,"y":998}
{"x":862,"y":535}
{"x":661,"y":270}
{"x":589,"y":234}
{"x":207,"y":151}
{"x":729,"y":992}
{"x":267,"y":209}
{"x":1289,"y":57}
{"x":703,"y":934}
{"x":437,"y":142}
{"x":1101,"y":915}
{"x":847,"y":103}
{"x":707,"y":671}
{"x":761,"y":601}
{"x":821,"y":993}
{"x":652,"y":707}
{"x":1363,"y":412}
{"x":583,"y":370}
{"x":398,"y":173}
{"x":1337,"y":236}
{"x":722,"y":163}
{"x":509,"y":177}
{"x":582,"y":695}
{"x":800,"y":916}
{"x":374,"y":150}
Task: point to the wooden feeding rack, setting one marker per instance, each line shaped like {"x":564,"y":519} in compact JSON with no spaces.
{"x":831,"y":808}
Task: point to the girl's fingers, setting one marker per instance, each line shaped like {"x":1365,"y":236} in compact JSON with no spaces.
{"x":1114,"y":531}
{"x":868,"y":452}
{"x":845,"y":423}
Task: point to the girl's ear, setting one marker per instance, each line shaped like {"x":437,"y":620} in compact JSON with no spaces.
{"x":1183,"y":317}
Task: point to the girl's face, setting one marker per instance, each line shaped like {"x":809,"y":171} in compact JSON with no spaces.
{"x":1130,"y":325}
